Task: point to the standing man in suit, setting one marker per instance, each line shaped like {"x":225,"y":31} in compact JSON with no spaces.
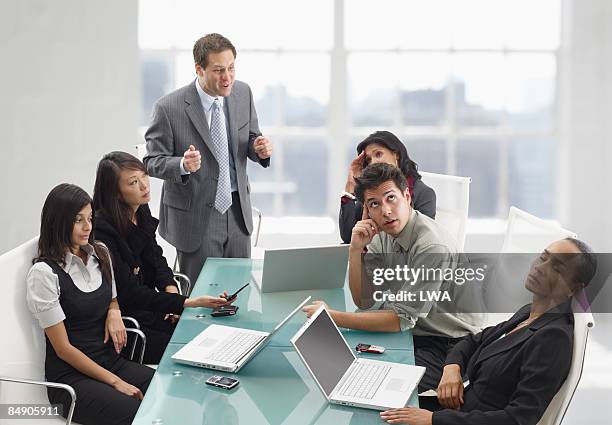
{"x":199,"y":140}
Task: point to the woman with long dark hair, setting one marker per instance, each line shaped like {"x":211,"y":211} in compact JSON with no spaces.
{"x":382,"y":147}
{"x":145,"y":285}
{"x":72,"y":294}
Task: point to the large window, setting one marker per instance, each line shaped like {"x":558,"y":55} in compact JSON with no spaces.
{"x":469,"y":86}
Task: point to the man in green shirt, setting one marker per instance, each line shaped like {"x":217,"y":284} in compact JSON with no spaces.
{"x":392,"y":231}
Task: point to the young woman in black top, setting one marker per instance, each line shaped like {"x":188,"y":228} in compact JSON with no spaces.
{"x":145,"y":285}
{"x":71,"y":292}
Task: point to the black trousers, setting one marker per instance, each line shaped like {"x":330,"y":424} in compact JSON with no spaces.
{"x":157,"y":330}
{"x":158,"y":337}
{"x":98,"y":403}
{"x":431,"y":351}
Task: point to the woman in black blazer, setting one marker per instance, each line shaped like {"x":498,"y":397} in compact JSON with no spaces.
{"x":382,"y":146}
{"x":516,"y":367}
{"x":146,"y":289}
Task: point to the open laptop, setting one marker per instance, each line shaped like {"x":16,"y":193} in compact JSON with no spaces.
{"x":293,"y":269}
{"x":346,"y":379}
{"x":227,"y":348}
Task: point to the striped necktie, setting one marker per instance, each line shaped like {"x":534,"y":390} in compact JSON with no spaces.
{"x":218,"y":132}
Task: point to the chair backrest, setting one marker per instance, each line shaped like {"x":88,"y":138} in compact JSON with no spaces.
{"x":583,"y":324}
{"x":452,"y":203}
{"x":527,"y":233}
{"x":23,"y":344}
{"x":141,"y":150}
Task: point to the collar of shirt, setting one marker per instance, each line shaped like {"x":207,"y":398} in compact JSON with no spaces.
{"x":206,"y":99}
{"x":407,"y":237}
{"x":70,"y":257}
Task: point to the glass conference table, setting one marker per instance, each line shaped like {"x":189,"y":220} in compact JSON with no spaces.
{"x":275,"y":387}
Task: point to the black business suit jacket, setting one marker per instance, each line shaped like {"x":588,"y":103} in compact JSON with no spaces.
{"x":512,"y":379}
{"x":139,"y":268}
{"x":423,"y":200}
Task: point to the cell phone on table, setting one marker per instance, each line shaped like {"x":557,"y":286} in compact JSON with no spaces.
{"x":224,"y":310}
{"x":235,"y":294}
{"x":222,"y":382}
{"x":368,"y":348}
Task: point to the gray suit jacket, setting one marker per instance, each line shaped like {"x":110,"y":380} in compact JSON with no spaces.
{"x":187,"y":201}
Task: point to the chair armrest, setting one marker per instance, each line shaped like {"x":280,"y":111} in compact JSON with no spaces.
{"x":184,"y":283}
{"x":133,"y":322}
{"x":258,"y":212}
{"x":48,"y":384}
{"x":139,"y":335}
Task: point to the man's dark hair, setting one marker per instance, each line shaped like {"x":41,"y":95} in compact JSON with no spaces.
{"x":210,"y":43}
{"x":587,"y":262}
{"x":376,"y":174}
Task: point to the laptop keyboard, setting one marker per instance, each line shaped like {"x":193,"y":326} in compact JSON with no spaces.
{"x":364,"y":381}
{"x":235,"y":346}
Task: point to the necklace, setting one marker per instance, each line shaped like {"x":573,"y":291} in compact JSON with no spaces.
{"x":527,"y":321}
{"x":523,"y":324}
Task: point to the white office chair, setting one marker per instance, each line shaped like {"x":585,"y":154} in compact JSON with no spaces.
{"x":527,"y":233}
{"x":22,"y":375}
{"x":22,"y":358}
{"x":583,"y":324}
{"x":452,"y":203}
{"x":141,"y":150}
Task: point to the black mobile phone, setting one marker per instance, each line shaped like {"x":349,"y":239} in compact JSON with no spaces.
{"x":367,"y":348}
{"x":226,"y":310}
{"x":235,"y":294}
{"x":222,"y":382}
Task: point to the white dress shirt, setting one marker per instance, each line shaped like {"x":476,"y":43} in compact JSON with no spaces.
{"x":43,"y":290}
{"x":207,"y":102}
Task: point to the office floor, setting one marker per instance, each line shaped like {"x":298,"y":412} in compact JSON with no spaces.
{"x":595,"y":390}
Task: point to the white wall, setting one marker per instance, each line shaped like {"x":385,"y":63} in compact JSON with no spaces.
{"x":70,"y":91}
{"x":585,"y":122}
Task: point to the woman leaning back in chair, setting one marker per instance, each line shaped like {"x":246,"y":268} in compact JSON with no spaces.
{"x":125,"y":224}
{"x":71,"y":292}
{"x":382,"y":147}
{"x":516,"y":367}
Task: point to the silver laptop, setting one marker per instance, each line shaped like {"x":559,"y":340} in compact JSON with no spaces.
{"x":225,"y":347}
{"x":293,"y":269}
{"x":345,"y":379}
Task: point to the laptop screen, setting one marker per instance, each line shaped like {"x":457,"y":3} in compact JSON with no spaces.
{"x":325,"y":352}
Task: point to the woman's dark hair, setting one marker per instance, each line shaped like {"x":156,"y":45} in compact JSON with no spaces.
{"x":587,"y":264}
{"x":107,"y":199}
{"x":391,"y":142}
{"x":376,"y":174}
{"x":57,"y":222}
